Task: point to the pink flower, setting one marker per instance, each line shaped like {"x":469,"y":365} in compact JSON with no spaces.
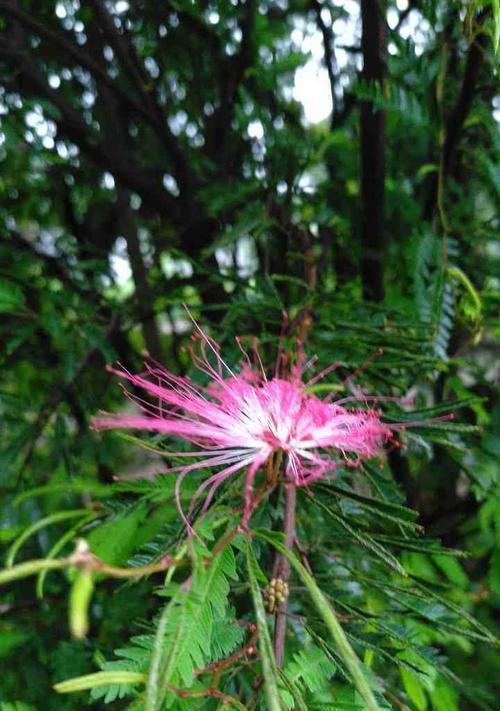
{"x":239,"y":421}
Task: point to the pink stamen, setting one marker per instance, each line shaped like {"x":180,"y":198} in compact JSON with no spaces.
{"x":240,"y":419}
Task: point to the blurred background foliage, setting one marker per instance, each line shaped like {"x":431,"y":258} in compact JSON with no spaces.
{"x":334,"y":160}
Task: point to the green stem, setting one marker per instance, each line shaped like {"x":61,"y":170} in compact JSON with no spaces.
{"x":114,"y":572}
{"x":153,"y":686}
{"x":326,"y":611}
{"x":31,"y":567}
{"x":85,"y":559}
{"x":47,"y":521}
{"x":155,"y":674}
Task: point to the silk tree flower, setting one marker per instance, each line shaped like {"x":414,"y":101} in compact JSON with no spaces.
{"x":246,"y":420}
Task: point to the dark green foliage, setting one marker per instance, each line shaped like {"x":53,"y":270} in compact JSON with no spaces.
{"x":164,"y":140}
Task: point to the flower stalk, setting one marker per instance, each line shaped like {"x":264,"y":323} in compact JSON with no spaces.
{"x":283,"y":572}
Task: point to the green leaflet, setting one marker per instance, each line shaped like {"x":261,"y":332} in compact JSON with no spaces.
{"x":444,"y":696}
{"x":309,"y":671}
{"x":392,"y":97}
{"x":104,"y":678}
{"x":182,"y":640}
{"x":154,"y":692}
{"x":310,"y":667}
{"x":457,"y":427}
{"x":442,"y":409}
{"x":430,"y":545}
{"x":38,"y":525}
{"x":290,"y":695}
{"x":116,"y":539}
{"x":363,"y":539}
{"x":324,"y":608}
{"x":395,"y":512}
{"x":496,"y":16}
{"x":269,"y":668}
{"x":75,"y":486}
{"x":414,"y":689}
{"x":185,"y":638}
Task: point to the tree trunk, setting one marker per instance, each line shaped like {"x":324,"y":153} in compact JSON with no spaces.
{"x":373,"y":44}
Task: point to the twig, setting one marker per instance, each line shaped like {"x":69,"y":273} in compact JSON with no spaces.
{"x":226,"y":699}
{"x":303,"y":556}
{"x":392,"y":697}
{"x":216,"y":668}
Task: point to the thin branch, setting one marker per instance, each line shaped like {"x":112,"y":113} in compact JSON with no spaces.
{"x":456,"y":120}
{"x":123,"y":49}
{"x":71,"y":124}
{"x":133,"y":67}
{"x":218,"y":667}
{"x":329,"y":59}
{"x":148,"y":110}
{"x":191,"y":21}
{"x":143,"y":295}
{"x":58,"y":39}
{"x":221,"y":145}
{"x":452,"y":127}
{"x":227,"y":699}
{"x":412,"y":4}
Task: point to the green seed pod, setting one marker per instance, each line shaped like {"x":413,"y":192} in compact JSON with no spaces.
{"x":79,"y":601}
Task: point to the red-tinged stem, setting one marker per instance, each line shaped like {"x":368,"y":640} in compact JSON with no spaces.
{"x":302,"y":323}
{"x":283,"y":571}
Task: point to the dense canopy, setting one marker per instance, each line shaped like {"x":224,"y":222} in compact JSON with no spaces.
{"x":317,"y":182}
